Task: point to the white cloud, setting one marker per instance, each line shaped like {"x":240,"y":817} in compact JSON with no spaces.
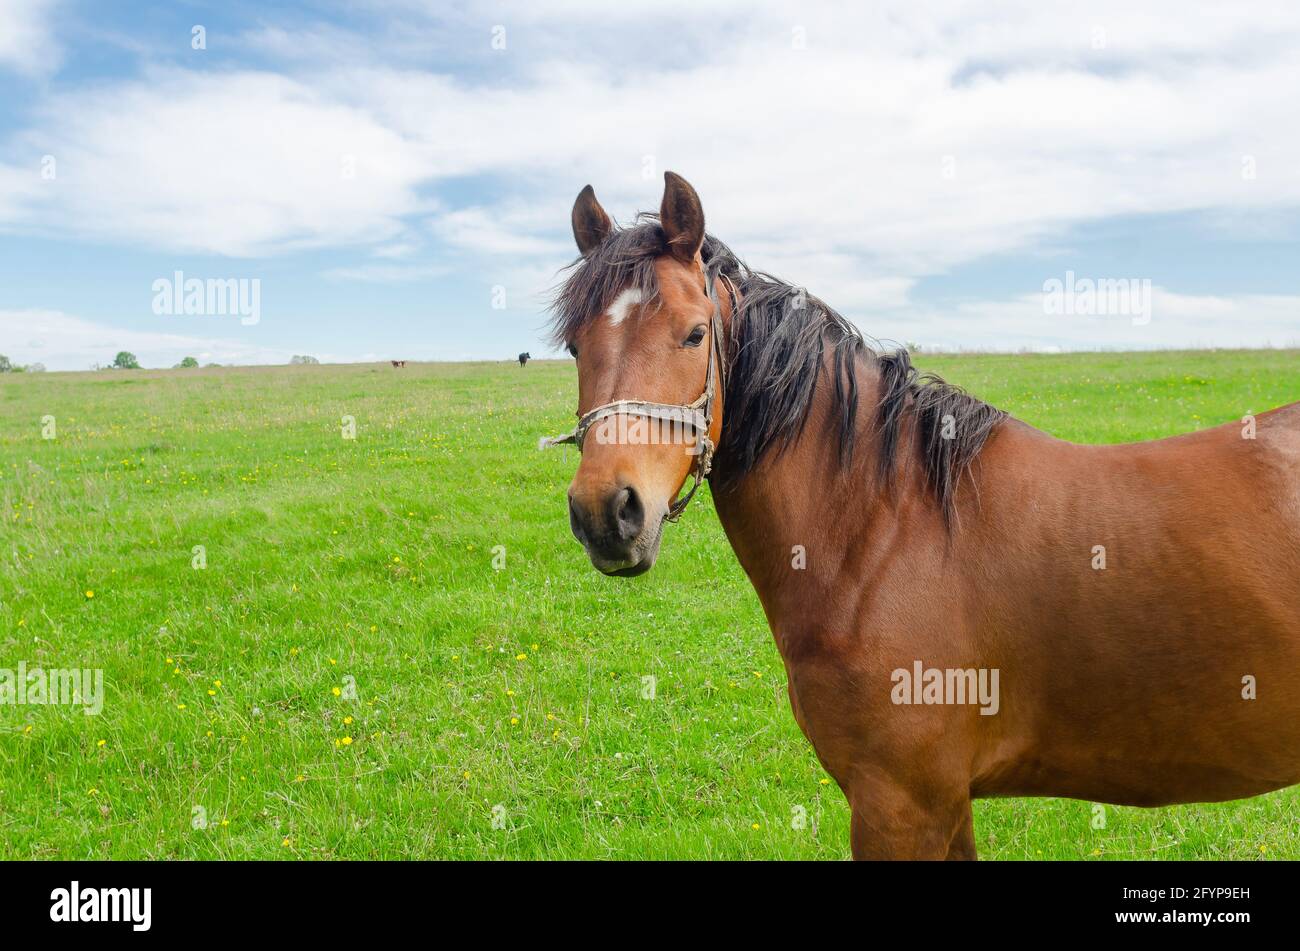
{"x":493,"y":231}
{"x":854,"y":288}
{"x":397,"y":250}
{"x":233,"y":163}
{"x":852,"y":151}
{"x":840,"y":146}
{"x":66,"y":342}
{"x":19,"y":188}
{"x":911,"y":138}
{"x":1022,"y":323}
{"x":26,"y":39}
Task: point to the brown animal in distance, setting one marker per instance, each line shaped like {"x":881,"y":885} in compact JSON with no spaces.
{"x":1140,"y":604}
{"x":399,"y":363}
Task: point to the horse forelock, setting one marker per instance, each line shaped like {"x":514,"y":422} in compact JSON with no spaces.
{"x":623,"y":262}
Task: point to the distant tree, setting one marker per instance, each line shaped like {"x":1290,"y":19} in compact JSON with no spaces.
{"x":126,"y":360}
{"x":36,"y":368}
{"x":8,"y":366}
{"x":302,"y":360}
{"x":214,"y":364}
{"x":187,"y":363}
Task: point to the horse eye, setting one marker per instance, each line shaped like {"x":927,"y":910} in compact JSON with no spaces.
{"x":573,"y":351}
{"x":697,"y":335}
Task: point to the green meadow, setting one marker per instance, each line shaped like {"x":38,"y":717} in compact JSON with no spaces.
{"x":389,"y":646}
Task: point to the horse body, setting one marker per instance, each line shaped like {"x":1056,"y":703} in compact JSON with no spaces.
{"x":1111,"y":689}
{"x":1118,"y":624}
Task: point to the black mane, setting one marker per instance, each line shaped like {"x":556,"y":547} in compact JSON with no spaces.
{"x":776,"y":350}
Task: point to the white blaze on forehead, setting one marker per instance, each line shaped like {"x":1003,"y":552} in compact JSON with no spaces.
{"x":624,"y":302}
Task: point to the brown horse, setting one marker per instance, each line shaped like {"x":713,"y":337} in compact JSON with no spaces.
{"x":966,"y":606}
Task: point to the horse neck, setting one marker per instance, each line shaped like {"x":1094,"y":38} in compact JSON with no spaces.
{"x":801,"y":519}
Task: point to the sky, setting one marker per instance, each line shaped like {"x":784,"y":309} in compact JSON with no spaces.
{"x":392,"y":179}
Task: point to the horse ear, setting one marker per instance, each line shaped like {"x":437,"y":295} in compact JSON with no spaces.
{"x":682,"y":217}
{"x":590,"y":223}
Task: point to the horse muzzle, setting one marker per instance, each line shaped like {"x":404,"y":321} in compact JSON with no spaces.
{"x":618,"y":527}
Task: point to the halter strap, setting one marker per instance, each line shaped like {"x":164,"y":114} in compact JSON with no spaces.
{"x":697,"y":414}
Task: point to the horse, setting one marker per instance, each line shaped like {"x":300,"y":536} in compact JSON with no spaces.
{"x":965,"y":606}
{"x":399,"y":363}
{"x":524,"y":358}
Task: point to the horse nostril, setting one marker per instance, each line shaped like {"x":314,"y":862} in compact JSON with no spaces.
{"x":629,"y":513}
{"x":576,"y":522}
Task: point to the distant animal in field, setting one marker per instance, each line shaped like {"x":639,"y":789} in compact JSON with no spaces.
{"x":524,"y":358}
{"x":399,"y":363}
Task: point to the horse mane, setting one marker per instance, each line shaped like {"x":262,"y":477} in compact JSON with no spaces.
{"x":777,"y":347}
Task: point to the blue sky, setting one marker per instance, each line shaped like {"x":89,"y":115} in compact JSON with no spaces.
{"x":388,"y":170}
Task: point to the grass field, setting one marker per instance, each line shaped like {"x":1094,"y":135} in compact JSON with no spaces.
{"x":497,"y":713}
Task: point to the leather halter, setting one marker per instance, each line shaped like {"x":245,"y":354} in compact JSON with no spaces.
{"x":698,"y":414}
